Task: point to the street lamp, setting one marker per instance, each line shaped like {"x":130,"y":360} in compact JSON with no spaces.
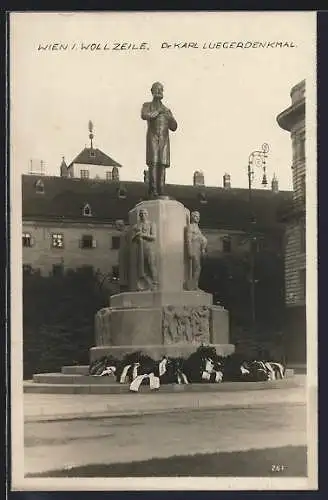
{"x":257,"y":159}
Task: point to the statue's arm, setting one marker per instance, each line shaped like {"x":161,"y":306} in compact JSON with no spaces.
{"x":152,"y":233}
{"x":135,"y":232}
{"x":147,"y":114}
{"x":188,"y":240}
{"x":172,"y":123}
{"x":204,"y":244}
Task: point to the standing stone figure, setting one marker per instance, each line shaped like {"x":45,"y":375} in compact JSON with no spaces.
{"x":144,"y":235}
{"x":160,"y":121}
{"x":196,"y":244}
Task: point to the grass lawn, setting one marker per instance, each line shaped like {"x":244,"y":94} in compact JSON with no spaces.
{"x":276,"y":462}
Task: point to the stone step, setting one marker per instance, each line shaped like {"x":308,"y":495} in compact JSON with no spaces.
{"x":110,"y":387}
{"x":76,"y":378}
{"x":75,"y":370}
{"x":84,"y":370}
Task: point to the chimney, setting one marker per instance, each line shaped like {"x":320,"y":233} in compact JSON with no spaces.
{"x":115,"y":174}
{"x":274,"y":184}
{"x":199,"y":178}
{"x":63,"y":168}
{"x":227,"y":181}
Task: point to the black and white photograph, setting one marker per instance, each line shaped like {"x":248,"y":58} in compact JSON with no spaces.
{"x":163,"y":250}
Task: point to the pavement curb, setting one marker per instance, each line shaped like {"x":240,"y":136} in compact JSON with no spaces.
{"x":138,"y":413}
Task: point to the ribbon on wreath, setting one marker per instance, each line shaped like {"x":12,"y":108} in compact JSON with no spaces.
{"x":125,"y":372}
{"x":109,"y":370}
{"x":154,"y":382}
{"x":210,"y":374}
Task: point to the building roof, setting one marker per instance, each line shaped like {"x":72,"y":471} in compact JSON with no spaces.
{"x":95,"y":157}
{"x":64,"y":199}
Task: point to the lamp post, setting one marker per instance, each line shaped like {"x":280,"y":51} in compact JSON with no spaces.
{"x":257,"y":159}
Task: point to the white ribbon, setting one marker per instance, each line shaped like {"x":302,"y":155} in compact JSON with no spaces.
{"x":153,"y":382}
{"x":280,"y":368}
{"x":124,"y":373}
{"x":135,"y":370}
{"x":244,"y":370}
{"x":162,"y":367}
{"x":109,"y":370}
{"x":272,"y":374}
{"x":206,"y":376}
{"x":218,"y":376}
{"x":209,"y":366}
{"x":182,"y":379}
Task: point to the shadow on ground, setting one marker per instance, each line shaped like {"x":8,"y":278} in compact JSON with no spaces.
{"x":288,"y":461}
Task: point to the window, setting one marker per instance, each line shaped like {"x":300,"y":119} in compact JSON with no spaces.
{"x":115,"y":273}
{"x":87,"y":241}
{"x":87,"y":210}
{"x":226,"y":244}
{"x":302,"y":238}
{"x":39,"y":186}
{"x":27,"y":240}
{"x":122,"y":193}
{"x":202,"y":198}
{"x":109,"y":176}
{"x":84,"y":174}
{"x":116,"y":240}
{"x":57,"y":270}
{"x":92,"y":153}
{"x":303,"y":283}
{"x":57,"y":240}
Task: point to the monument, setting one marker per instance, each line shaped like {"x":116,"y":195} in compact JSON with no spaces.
{"x":160,"y":309}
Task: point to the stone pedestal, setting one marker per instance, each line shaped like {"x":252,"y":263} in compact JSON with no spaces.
{"x":168,"y":320}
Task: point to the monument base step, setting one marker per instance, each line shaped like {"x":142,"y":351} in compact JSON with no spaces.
{"x":156,"y":351}
{"x":82,"y":385}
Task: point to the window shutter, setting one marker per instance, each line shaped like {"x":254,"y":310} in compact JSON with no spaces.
{"x":94,"y":243}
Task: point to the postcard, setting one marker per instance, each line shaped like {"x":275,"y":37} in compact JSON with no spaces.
{"x":163,"y":250}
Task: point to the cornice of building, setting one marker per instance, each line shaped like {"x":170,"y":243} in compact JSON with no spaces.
{"x":292,"y":115}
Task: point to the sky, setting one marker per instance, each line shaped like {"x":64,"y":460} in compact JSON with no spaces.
{"x":225,"y":100}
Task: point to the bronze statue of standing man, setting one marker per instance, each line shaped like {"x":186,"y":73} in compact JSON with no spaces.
{"x":160,"y":121}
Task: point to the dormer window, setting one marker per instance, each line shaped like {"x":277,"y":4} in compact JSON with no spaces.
{"x":39,"y":186}
{"x":87,"y":210}
{"x":202,"y":198}
{"x":92,"y":153}
{"x":122,"y":193}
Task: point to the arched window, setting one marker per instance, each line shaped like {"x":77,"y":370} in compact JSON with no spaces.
{"x":87,"y":210}
{"x":202,"y":198}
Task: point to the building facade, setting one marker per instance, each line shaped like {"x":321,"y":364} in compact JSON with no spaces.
{"x":292,"y":120}
{"x":73,"y":222}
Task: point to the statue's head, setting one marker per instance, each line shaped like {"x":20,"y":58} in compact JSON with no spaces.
{"x":143,"y":214}
{"x":157,"y":90}
{"x":195,"y":216}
